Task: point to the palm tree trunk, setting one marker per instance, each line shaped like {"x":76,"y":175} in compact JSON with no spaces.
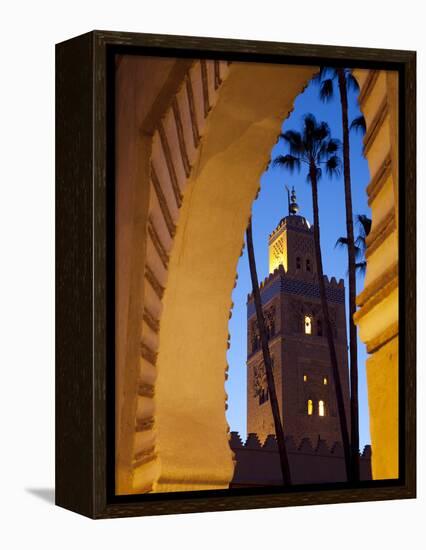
{"x":353,"y":352}
{"x":279,"y":432}
{"x":329,"y":332}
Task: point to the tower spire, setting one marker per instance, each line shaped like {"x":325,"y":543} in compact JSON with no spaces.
{"x":288,"y":199}
{"x":293,"y":207}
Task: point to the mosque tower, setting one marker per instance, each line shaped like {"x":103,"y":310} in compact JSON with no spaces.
{"x":297,"y":340}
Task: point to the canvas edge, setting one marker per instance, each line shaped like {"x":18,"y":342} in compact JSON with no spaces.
{"x":93,"y":503}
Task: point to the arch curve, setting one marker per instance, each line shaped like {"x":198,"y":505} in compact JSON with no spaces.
{"x":204,"y":159}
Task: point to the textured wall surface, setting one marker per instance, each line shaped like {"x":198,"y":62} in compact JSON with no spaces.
{"x":377,"y":316}
{"x":185,"y":206}
{"x":310,"y":462}
{"x":301,"y":361}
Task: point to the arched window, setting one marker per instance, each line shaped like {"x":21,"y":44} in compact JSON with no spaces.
{"x":325,"y":380}
{"x":308,"y":264}
{"x":263,"y":396}
{"x":255,"y":340}
{"x":310,"y":407}
{"x":270,"y":322}
{"x":298,"y":263}
{"x":308,"y":324}
{"x":321,"y":408}
{"x":305,"y":378}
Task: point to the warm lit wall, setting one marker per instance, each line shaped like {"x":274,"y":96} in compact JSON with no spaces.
{"x":205,"y":141}
{"x":139,"y":81}
{"x":188,"y":168}
{"x":190,"y":398}
{"x":377,"y":317}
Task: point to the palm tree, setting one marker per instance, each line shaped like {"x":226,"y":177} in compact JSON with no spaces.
{"x":279,"y":432}
{"x":364,"y":223}
{"x":315,"y":148}
{"x":326,"y":77}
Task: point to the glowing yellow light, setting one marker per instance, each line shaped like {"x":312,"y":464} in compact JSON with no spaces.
{"x":310,"y":407}
{"x":325,"y":380}
{"x":305,"y":378}
{"x":308,"y":325}
{"x":321,"y":408}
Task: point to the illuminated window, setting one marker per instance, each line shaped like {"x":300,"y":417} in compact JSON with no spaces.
{"x":321,"y":408}
{"x":298,"y":263}
{"x":325,"y":380}
{"x":310,"y":407}
{"x":308,"y":265}
{"x":305,"y":378}
{"x":308,"y":325}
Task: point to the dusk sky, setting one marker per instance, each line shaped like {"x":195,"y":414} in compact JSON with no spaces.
{"x":268,"y":209}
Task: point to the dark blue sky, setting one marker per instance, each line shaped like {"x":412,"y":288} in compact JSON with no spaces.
{"x":268,"y":209}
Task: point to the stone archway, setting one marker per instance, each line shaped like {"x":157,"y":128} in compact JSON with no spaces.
{"x":201,"y":133}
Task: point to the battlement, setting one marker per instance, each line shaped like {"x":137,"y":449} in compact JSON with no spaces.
{"x":267,"y":280}
{"x":305,"y":445}
{"x":333,"y":283}
{"x":280,"y":281}
{"x":258,"y":464}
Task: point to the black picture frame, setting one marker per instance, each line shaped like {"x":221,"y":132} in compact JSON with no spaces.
{"x":85,"y":267}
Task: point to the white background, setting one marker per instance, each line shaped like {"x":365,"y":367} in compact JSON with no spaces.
{"x":29,"y":31}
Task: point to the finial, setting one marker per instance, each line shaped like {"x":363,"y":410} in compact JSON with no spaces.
{"x":288,"y":199}
{"x":293,"y":206}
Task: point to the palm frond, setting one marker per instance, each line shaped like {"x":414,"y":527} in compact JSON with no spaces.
{"x":359,"y":253}
{"x":326,"y":90}
{"x":364,"y":223}
{"x":321,"y":132}
{"x":328,"y":72}
{"x":359,"y":125}
{"x":313,"y":146}
{"x":360,"y":242}
{"x":361,"y":267}
{"x":290,"y":162}
{"x":309,"y":127}
{"x":294,"y":141}
{"x":327,"y":148}
{"x":309,"y":123}
{"x":333,"y":165}
{"x":341,"y":242}
{"x":333,"y":145}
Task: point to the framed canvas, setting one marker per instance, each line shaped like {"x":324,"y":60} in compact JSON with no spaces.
{"x":235,"y":280}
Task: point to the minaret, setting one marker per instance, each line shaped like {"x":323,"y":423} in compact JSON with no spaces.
{"x":280,"y":238}
{"x":293,"y":313}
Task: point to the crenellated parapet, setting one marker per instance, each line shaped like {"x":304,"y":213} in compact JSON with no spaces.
{"x":310,"y":461}
{"x":280,"y":281}
{"x":267,"y":281}
{"x":333,"y":283}
{"x":304,"y":445}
